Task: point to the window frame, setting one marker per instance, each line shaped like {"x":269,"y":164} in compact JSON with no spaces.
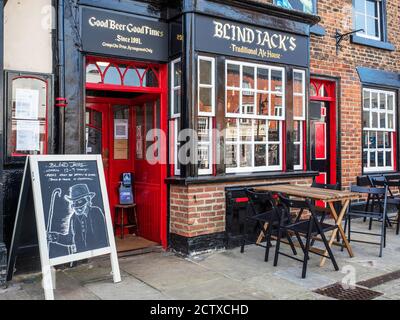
{"x":174,"y":115}
{"x":255,"y":90}
{"x":207,"y":86}
{"x":48,"y":79}
{"x":175,"y":118}
{"x":367,"y":130}
{"x":381,"y":5}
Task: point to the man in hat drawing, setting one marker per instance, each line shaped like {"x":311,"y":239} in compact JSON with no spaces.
{"x":86,"y":229}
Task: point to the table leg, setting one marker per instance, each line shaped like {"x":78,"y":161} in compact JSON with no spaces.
{"x":338,"y":220}
{"x":122,"y":223}
{"x":261,"y":236}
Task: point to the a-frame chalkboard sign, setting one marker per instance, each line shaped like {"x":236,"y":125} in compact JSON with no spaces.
{"x":72,"y":213}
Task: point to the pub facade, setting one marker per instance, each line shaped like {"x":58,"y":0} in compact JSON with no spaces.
{"x":274,"y":91}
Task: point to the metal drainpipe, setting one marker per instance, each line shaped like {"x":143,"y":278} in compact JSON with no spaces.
{"x":61,"y":73}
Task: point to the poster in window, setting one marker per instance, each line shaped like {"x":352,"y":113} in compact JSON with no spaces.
{"x":28,"y":135}
{"x":307,"y":6}
{"x":26,"y":104}
{"x":121,"y":129}
{"x":139,"y":142}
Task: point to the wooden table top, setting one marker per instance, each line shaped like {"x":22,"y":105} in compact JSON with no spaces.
{"x":310,"y":192}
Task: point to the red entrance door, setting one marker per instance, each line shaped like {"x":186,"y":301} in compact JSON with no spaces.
{"x":323,"y":130}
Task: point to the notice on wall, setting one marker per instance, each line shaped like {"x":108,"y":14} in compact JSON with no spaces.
{"x":26,"y":104}
{"x":121,"y":129}
{"x":28,"y":135}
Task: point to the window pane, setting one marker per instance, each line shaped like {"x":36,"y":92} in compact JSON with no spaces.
{"x":273,"y":155}
{"x":112,"y":76}
{"x":297,"y":131}
{"x":260,"y":159}
{"x":150,"y":79}
{"x":372,"y":140}
{"x":245,"y":130}
{"x":233,"y":75}
{"x":360,"y":23}
{"x":260,"y":129}
{"x":367,"y":100}
{"x":298,"y":106}
{"x":262,"y":104}
{"x":276,"y":80}
{"x":380,"y":140}
{"x":374,"y":101}
{"x":297,"y":158}
{"x":203,"y":129}
{"x":388,"y":140}
{"x":233,"y":101}
{"x":205,"y":72}
{"x":359,"y":5}
{"x":388,"y":159}
{"x":366,"y":119}
{"x":246,"y":155}
{"x":248,"y":77}
{"x":382,"y":120}
{"x":365,"y":140}
{"x":276,"y":105}
{"x":177,"y":101}
{"x":203,"y":157}
{"x":372,"y":27}
{"x":298,"y":82}
{"x":132,"y":78}
{"x":382,"y":101}
{"x":177,"y":74}
{"x":230,"y":156}
{"x":390,"y":102}
{"x":273,"y":131}
{"x":121,"y":133}
{"x":390,"y":123}
{"x":365,"y":159}
{"x":380,"y":159}
{"x":372,"y":159}
{"x":93,"y":74}
{"x":374,"y":120}
{"x":248,"y":102}
{"x":262,"y":79}
{"x":231,"y":129}
{"x":205,"y":97}
{"x":372,"y":8}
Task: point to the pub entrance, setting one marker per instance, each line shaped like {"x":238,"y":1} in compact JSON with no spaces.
{"x":125,"y":103}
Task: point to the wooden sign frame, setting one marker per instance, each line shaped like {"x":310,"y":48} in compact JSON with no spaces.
{"x":31,"y":183}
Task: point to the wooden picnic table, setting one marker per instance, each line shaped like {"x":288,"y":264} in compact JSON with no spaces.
{"x":330,"y":197}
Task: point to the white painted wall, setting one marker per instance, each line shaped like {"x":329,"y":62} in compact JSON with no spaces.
{"x":27,"y":35}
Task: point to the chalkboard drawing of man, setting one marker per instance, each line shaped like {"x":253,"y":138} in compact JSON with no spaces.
{"x":85,"y":226}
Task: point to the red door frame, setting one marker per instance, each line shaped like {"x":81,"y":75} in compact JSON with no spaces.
{"x":330,"y":98}
{"x":162,"y":91}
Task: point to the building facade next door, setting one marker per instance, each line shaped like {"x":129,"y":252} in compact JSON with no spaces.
{"x":323,"y":130}
{"x":125,"y":101}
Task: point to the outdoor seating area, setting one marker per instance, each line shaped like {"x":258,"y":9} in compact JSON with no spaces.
{"x":320,"y":219}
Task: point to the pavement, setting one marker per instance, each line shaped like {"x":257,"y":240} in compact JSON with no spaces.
{"x":222,"y":275}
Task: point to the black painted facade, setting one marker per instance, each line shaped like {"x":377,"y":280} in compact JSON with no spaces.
{"x":69,"y":69}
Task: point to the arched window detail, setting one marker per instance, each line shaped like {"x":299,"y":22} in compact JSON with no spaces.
{"x":120,"y":74}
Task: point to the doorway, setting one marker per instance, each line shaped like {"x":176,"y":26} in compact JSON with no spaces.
{"x":323,"y":130}
{"x":119,"y":124}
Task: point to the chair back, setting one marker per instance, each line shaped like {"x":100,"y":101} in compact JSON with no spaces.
{"x":379,"y":196}
{"x":289,"y":204}
{"x":260,"y":202}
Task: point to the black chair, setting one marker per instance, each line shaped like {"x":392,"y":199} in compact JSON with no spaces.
{"x":377,"y":211}
{"x":392,"y":200}
{"x":307,"y":228}
{"x":262,"y":215}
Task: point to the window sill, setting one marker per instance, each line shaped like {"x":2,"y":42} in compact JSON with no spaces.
{"x":240,"y":177}
{"x":372,"y":43}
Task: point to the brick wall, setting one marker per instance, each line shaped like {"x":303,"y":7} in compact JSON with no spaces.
{"x":198,"y":210}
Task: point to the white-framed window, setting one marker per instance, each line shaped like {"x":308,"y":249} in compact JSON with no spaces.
{"x":368,"y":16}
{"x":379,"y":129}
{"x":255,"y":111}
{"x":206,"y":113}
{"x":175,"y":111}
{"x":299,"y":116}
{"x":254,"y":91}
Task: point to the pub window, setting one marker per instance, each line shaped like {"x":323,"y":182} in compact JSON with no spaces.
{"x":299,"y":116}
{"x":379,"y":117}
{"x":308,"y":6}
{"x":175,"y":113}
{"x":27,"y":115}
{"x":255,"y":111}
{"x":368,"y":16}
{"x":206,"y":112}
